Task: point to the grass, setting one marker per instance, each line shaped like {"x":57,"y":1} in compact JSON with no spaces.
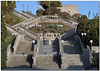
{"x":4,"y":44}
{"x":11,"y":19}
{"x":49,"y":27}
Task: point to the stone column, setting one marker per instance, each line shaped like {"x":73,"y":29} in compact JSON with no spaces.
{"x":34,"y":62}
{"x":49,"y":42}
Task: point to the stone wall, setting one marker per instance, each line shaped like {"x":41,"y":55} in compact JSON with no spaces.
{"x":85,"y":52}
{"x":95,"y":49}
{"x":71,"y":9}
{"x":68,"y":34}
{"x":16,"y":43}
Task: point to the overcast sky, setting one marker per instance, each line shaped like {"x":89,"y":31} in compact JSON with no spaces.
{"x":83,"y":6}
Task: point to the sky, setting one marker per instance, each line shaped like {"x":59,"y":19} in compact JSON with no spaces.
{"x":83,"y":6}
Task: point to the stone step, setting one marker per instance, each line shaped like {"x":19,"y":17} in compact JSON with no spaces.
{"x":72,"y":61}
{"x":45,"y":52}
{"x":18,"y":62}
{"x":46,"y":62}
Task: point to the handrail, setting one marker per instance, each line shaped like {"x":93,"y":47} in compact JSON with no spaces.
{"x":22,"y":14}
{"x":23,"y":22}
{"x":30,"y":14}
{"x":13,"y":29}
{"x":28,"y":30}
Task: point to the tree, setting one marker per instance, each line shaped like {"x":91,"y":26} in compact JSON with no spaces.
{"x":39,"y":12}
{"x":89,"y":14}
{"x":45,"y":4}
{"x":75,"y":16}
{"x":95,"y":60}
{"x":91,"y":27}
{"x":53,"y":11}
{"x":5,"y":9}
{"x":65,"y":15}
{"x":3,"y":29}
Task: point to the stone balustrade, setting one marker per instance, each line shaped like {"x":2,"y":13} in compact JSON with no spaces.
{"x":18,"y":14}
{"x":53,"y":18}
{"x":60,"y":47}
{"x":30,"y":14}
{"x":9,"y":51}
{"x":28,"y":32}
{"x":33,"y":23}
{"x":48,"y":18}
{"x":24,"y":13}
{"x":49,"y":36}
{"x":36,"y":51}
{"x":12,"y":30}
{"x":24,"y":22}
{"x":16,"y":43}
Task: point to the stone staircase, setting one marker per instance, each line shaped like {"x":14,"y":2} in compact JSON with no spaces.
{"x":72,"y":57}
{"x":32,"y":15}
{"x":24,"y":47}
{"x":48,"y":62}
{"x":19,"y":61}
{"x":72,"y":61}
{"x":16,"y":13}
{"x":49,"y":49}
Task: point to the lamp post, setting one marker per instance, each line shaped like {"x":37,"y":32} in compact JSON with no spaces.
{"x":30,"y":10}
{"x":24,"y":26}
{"x":49,"y":7}
{"x":6,"y":3}
{"x":91,"y":41}
{"x":75,"y":27}
{"x":27,"y":7}
{"x":13,"y":34}
{"x":62,"y":41}
{"x":3,"y":16}
{"x":83,"y":34}
{"x":23,"y":6}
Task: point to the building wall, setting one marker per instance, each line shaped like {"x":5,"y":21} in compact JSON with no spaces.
{"x":72,"y":9}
